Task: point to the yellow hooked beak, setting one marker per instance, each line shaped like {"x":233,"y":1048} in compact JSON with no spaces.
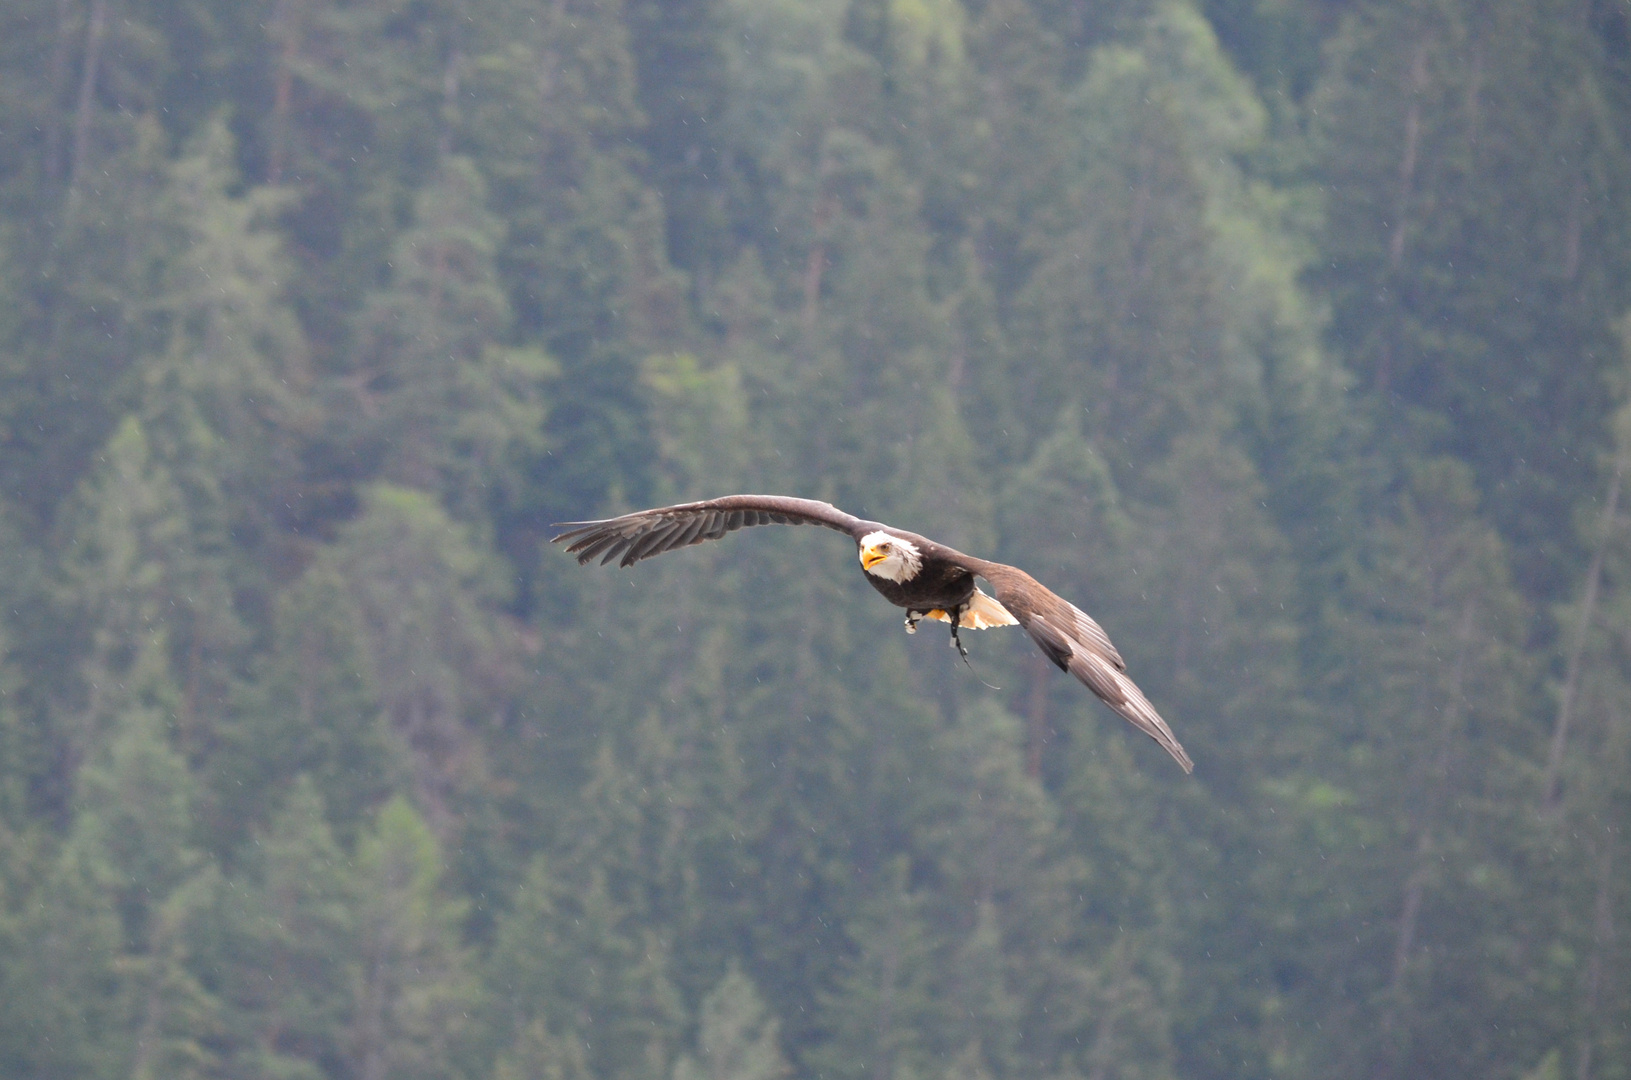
{"x":871,"y":556}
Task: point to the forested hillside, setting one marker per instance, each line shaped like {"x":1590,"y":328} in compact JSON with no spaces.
{"x":1291,"y":339}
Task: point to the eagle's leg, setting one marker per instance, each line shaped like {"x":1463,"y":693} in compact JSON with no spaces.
{"x":956,"y":614}
{"x":912,"y":619}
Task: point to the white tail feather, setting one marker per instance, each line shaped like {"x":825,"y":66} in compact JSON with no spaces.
{"x":981,"y":613}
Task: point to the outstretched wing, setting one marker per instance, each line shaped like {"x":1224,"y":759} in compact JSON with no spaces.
{"x":1072,"y":640}
{"x":652,"y":532}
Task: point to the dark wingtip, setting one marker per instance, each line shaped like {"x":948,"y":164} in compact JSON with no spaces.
{"x":1172,"y":746}
{"x":571,"y":530}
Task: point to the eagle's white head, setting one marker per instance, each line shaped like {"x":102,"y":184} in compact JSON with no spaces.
{"x":888,"y":556}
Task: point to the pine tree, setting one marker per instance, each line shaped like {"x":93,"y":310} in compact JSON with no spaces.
{"x":82,"y":319}
{"x":151,"y":604}
{"x":285,"y":931}
{"x":342,"y":76}
{"x":176,"y":1018}
{"x":151,"y":551}
{"x":63,"y":983}
{"x":1133,"y":240}
{"x":422,"y":594}
{"x":883,"y":1008}
{"x":128,"y":886}
{"x":1470,"y":175}
{"x":411,"y":985}
{"x":1585,"y":798}
{"x":1433,"y":789}
{"x":578,"y":975}
{"x":553,"y":126}
{"x":445,"y":408}
{"x":227,"y":399}
{"x":735,"y":1039}
{"x":310,"y":709}
{"x":540,"y":1055}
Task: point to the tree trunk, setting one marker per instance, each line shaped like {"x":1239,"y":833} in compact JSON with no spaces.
{"x":95,"y":31}
{"x":286,"y":29}
{"x":1407,"y":162}
{"x":1551,"y":792}
{"x":1416,"y":82}
{"x":816,"y":265}
{"x":59,"y":84}
{"x":1416,"y":884}
{"x":1602,"y":941}
{"x":450,"y":103}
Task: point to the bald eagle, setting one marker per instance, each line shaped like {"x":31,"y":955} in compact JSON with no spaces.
{"x":929,"y":580}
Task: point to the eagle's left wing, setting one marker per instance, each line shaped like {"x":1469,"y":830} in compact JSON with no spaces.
{"x":1071,"y":639}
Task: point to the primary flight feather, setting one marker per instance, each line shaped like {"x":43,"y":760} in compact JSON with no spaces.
{"x":929,"y":580}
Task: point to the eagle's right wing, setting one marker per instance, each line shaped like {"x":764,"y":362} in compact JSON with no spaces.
{"x":651,"y":532}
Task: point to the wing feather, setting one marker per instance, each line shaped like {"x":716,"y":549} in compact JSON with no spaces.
{"x":641,"y":535}
{"x":598,"y":547}
{"x":692,"y":533}
{"x":1076,"y":643}
{"x":1090,"y":631}
{"x":654,"y":542}
{"x":618,"y":545}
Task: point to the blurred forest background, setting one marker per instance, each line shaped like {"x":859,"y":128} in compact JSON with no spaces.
{"x":1285,"y":336}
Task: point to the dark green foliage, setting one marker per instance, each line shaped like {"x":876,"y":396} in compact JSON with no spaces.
{"x":311,"y":709}
{"x":1282,"y":337}
{"x":283,"y":933}
{"x":735,"y":1039}
{"x":1469,"y":143}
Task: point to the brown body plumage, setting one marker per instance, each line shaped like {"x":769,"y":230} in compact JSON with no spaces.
{"x":912,"y":572}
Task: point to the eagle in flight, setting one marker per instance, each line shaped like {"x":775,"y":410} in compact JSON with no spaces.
{"x":929,"y":580}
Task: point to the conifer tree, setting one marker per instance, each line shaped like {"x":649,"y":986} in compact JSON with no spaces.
{"x":192,"y":471}
{"x":146,"y":597}
{"x":227,"y":395}
{"x":63,"y":981}
{"x":422,"y":594}
{"x":444,"y":407}
{"x":285,"y":930}
{"x":538,"y":1054}
{"x":128,"y":858}
{"x":82,"y":321}
{"x":342,"y":77}
{"x":735,"y":1039}
{"x":553,"y":127}
{"x":1438,"y":661}
{"x":310,"y":709}
{"x":578,"y":975}
{"x":882,"y":1011}
{"x":1466,"y":152}
{"x":1588,"y":802}
{"x":411,"y":985}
